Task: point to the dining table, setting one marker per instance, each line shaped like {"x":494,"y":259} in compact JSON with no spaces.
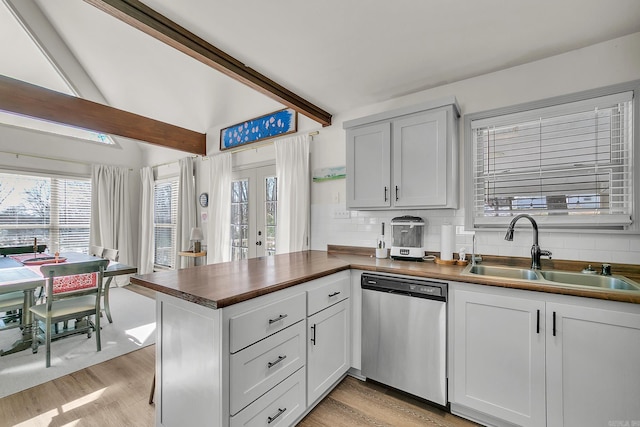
{"x":16,"y":276}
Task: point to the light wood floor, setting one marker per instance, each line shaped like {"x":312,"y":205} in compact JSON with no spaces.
{"x":355,"y":403}
{"x":116,"y":393}
{"x":112,"y":393}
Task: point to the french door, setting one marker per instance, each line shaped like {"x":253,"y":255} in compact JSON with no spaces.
{"x":253,"y":212}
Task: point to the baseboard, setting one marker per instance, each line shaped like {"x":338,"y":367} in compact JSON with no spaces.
{"x":479,"y":417}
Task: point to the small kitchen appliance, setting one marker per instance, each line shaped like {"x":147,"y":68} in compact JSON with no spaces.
{"x":407,"y":234}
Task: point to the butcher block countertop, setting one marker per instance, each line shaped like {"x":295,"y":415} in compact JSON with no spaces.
{"x":224,"y":284}
{"x":221,"y":285}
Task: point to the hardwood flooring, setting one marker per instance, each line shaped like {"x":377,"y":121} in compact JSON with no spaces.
{"x":355,"y":403}
{"x":113,"y":393}
{"x":116,"y":392}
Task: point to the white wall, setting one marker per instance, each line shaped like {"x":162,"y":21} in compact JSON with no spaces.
{"x":591,"y":67}
{"x":604,"y":64}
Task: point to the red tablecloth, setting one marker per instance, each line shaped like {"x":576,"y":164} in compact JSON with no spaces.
{"x":66,"y":283}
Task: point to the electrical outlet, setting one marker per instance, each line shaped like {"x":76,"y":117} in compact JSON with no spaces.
{"x":341,"y":214}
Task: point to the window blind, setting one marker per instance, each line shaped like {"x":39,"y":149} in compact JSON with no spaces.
{"x":55,"y":210}
{"x":566,"y":164}
{"x":165,"y":218}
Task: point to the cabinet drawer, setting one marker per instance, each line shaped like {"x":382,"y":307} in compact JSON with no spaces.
{"x":258,"y":368}
{"x":278,"y":408}
{"x":252,"y":326}
{"x":330,"y":290}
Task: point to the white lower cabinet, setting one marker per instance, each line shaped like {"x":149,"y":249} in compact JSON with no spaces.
{"x":256,"y":369}
{"x":328,"y":333}
{"x":328,"y":346}
{"x":280,"y":407}
{"x":593,"y":366}
{"x":287,"y":349}
{"x":499,"y":357}
{"x":533,"y":359}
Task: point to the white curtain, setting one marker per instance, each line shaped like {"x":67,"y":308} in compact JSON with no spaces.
{"x":147,"y":236}
{"x":219,"y":245}
{"x":110,"y":210}
{"x":292,"y":172}
{"x":187,"y":212}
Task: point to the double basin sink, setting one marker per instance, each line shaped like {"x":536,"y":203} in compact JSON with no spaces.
{"x":553,"y":277}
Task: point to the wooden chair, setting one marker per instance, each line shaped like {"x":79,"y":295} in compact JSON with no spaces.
{"x":60,"y":307}
{"x":112,"y":255}
{"x":11,"y":305}
{"x":96,"y":250}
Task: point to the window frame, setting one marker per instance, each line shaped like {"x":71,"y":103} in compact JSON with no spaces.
{"x":173,"y":180}
{"x":469,"y":147}
{"x":54,"y":226}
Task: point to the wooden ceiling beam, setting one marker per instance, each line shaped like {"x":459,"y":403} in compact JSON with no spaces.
{"x":34,"y":101}
{"x":145,"y":19}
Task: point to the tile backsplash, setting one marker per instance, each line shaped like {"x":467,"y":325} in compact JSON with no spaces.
{"x":330,"y":224}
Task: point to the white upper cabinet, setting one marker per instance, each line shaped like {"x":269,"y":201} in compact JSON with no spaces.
{"x":405,"y":158}
{"x":368,"y":166}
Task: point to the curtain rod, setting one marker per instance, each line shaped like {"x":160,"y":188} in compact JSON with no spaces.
{"x":35,"y":156}
{"x":254,"y":147}
{"x":264,"y":144}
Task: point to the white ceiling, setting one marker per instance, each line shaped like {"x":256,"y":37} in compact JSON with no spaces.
{"x":336,"y":54}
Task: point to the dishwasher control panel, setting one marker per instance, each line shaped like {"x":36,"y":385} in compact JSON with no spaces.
{"x":414,"y":287}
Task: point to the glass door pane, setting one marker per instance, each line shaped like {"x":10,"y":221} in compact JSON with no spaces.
{"x":270,"y":214}
{"x":240,"y":219}
{"x":253,"y":213}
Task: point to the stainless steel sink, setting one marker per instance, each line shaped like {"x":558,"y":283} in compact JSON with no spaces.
{"x":606,"y":282}
{"x":553,"y":277}
{"x":503,"y":272}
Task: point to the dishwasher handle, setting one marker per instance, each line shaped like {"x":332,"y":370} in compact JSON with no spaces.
{"x":418,"y":288}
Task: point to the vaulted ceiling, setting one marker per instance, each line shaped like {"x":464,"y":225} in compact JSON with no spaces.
{"x":336,"y":54}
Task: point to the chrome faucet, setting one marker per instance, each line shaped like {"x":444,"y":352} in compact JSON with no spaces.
{"x":475,"y":256}
{"x":536,"y":252}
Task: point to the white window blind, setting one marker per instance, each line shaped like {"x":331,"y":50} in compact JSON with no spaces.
{"x":55,"y":210}
{"x":165,"y":215}
{"x":569,"y":164}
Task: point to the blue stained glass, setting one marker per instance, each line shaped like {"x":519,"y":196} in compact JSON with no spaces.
{"x":269,"y":126}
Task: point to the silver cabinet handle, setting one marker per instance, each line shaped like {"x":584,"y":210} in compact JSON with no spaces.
{"x":274,"y":363}
{"x":280,"y":412}
{"x":334,"y":294}
{"x":277,"y":319}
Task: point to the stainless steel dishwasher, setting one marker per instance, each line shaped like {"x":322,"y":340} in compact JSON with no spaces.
{"x":404,"y":334}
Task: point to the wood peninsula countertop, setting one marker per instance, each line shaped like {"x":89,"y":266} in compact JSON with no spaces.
{"x":227,"y":283}
{"x":221,"y":285}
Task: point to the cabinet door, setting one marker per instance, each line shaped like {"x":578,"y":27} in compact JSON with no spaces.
{"x":420,"y":160}
{"x":328,"y":347}
{"x":593,"y":369}
{"x":499,"y":356}
{"x":369,"y":166}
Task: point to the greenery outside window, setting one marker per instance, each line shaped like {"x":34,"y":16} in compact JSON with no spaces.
{"x":55,"y":210}
{"x":568,"y":164}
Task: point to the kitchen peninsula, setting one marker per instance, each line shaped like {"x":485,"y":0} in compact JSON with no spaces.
{"x":242,"y":343}
{"x":232,"y":338}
